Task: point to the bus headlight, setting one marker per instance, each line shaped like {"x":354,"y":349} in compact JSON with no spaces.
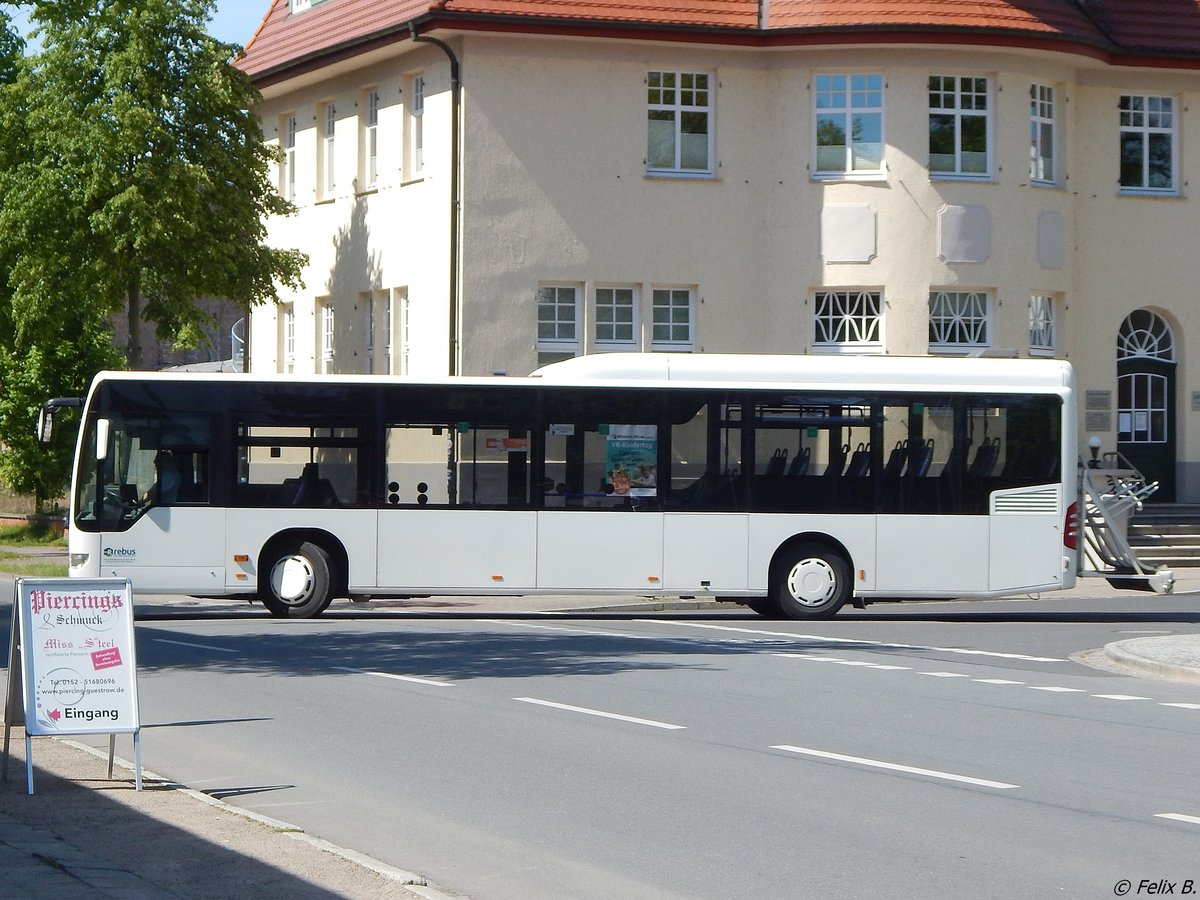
{"x":75,"y":560}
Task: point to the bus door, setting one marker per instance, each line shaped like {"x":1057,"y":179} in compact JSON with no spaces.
{"x":457,"y":512}
{"x":932,"y":531}
{"x":600,"y":522}
{"x":706,"y":526}
{"x":146,"y":495}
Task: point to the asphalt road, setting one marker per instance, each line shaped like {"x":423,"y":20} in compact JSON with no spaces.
{"x":934,"y":750}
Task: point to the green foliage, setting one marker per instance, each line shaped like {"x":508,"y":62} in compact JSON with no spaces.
{"x":134,"y":179}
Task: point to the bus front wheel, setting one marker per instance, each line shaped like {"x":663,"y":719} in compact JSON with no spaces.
{"x":812,"y":581}
{"x":299,"y":583}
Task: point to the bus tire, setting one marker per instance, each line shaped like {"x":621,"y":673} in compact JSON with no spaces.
{"x":812,"y":581}
{"x":299,"y":581}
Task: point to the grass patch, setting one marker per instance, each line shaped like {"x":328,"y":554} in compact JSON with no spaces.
{"x":34,"y":535}
{"x":31,"y":569}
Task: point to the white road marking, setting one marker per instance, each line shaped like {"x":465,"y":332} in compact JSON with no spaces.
{"x":852,"y":662}
{"x":944,"y":674}
{"x":1179,"y":817}
{"x":844,"y":662}
{"x":896,"y":767}
{"x":1001,"y":681}
{"x":415,"y":680}
{"x":600,"y":713}
{"x":884,"y":645}
{"x":195,"y":646}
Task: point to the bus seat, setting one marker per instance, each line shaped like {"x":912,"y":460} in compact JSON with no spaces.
{"x":923,"y":459}
{"x":799,"y":464}
{"x":860,"y":462}
{"x":895,"y":463}
{"x":777,"y":461}
{"x":837,"y":461}
{"x":985,"y":459}
{"x":314,"y":490}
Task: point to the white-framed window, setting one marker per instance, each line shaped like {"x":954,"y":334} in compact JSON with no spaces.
{"x":679,"y":123}
{"x":302,"y":5}
{"x":1148,"y":145}
{"x":398,"y":311}
{"x":327,"y":163}
{"x":416,"y":126}
{"x":1144,"y":334}
{"x":960,"y":125}
{"x":848,"y":113}
{"x":369,"y":301}
{"x":1041,"y":325}
{"x":959,"y":321}
{"x":672,"y":322}
{"x":287,"y":163}
{"x":616,"y":317}
{"x":558,"y":319}
{"x":326,"y":342}
{"x":1042,"y":127}
{"x":848,"y":321}
{"x":287,"y":338}
{"x":369,"y":177}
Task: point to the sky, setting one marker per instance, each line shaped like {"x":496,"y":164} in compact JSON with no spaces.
{"x":234,"y":20}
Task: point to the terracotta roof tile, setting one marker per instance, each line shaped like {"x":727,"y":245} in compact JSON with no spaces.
{"x":723,"y":13}
{"x":1125,"y":28}
{"x":1150,"y":26}
{"x":1045,"y":17}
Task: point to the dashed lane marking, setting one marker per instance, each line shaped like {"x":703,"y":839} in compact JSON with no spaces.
{"x":410,"y":678}
{"x":896,"y":767}
{"x":1008,"y":682}
{"x":601,"y":713}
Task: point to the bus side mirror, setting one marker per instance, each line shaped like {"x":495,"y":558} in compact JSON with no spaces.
{"x":45,"y":423}
{"x":45,"y":427}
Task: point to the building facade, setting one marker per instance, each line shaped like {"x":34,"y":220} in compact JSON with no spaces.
{"x":484,"y":186}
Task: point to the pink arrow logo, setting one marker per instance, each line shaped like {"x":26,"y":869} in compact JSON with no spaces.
{"x":55,"y":715}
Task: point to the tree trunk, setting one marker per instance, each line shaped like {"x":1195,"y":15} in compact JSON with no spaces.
{"x":133,"y":348}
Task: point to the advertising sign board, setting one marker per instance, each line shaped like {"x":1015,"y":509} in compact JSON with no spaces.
{"x":73,"y":659}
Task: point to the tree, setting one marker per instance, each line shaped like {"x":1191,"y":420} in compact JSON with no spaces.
{"x":134,"y":179}
{"x":146,"y":182}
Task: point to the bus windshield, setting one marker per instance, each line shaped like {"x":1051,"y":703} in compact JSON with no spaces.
{"x":130,"y":464}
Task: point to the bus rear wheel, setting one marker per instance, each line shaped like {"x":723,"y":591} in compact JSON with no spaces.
{"x":299,"y":581}
{"x":811,"y":581}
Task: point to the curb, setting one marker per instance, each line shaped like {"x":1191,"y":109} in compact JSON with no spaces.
{"x":1126,"y":653}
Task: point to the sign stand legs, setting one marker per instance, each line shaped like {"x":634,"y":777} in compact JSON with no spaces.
{"x":137,"y":757}
{"x":29,"y":763}
{"x":7,"y":738}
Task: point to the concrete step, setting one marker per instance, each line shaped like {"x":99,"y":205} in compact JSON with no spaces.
{"x":1167,"y":534}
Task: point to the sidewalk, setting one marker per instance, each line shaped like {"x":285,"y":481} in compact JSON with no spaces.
{"x":82,"y":836}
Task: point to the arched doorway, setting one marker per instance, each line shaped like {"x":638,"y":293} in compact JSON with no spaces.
{"x":1146,"y":399}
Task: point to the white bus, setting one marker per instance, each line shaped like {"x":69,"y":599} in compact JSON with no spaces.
{"x":792,"y":484}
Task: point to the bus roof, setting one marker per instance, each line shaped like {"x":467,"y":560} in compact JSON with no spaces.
{"x":957,"y":373}
{"x":713,"y":369}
